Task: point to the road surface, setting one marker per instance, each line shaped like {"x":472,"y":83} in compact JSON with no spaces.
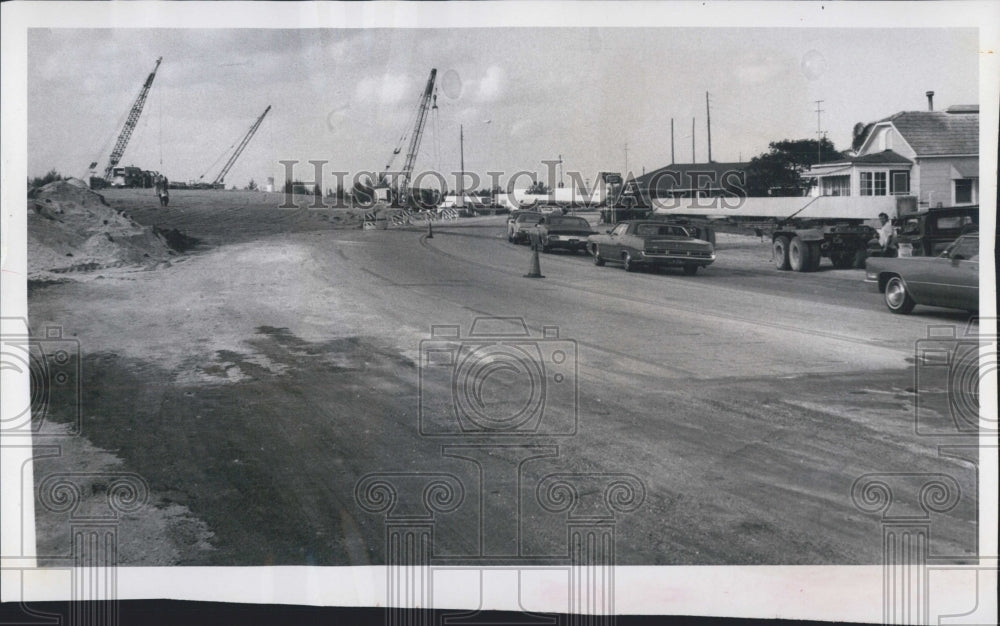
{"x":255,"y":383}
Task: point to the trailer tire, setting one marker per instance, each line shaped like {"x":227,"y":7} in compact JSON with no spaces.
{"x":799,"y":255}
{"x":779,"y":252}
{"x":842,"y":260}
{"x":816,"y":255}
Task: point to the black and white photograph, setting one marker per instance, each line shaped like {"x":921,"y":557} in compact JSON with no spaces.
{"x":569,"y":310}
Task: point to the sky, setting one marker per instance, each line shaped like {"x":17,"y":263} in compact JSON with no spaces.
{"x":523,"y":95}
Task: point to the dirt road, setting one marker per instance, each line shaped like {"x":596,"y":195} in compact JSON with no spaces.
{"x":253,"y":383}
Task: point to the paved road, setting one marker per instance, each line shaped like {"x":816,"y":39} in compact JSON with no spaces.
{"x":257,"y":383}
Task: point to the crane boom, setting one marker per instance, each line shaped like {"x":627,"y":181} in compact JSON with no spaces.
{"x":418,"y":131}
{"x":239,"y":149}
{"x":130,"y":123}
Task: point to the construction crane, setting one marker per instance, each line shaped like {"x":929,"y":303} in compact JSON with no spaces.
{"x":418,"y":130}
{"x":219,"y":180}
{"x":130,"y":123}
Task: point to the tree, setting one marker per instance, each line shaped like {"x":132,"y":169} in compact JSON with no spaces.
{"x":778,"y":172}
{"x":40,"y":181}
{"x":251,"y":186}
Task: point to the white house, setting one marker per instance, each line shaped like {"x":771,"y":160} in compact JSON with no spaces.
{"x":927,"y":158}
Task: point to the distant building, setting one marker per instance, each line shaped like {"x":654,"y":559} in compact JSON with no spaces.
{"x":690,"y":180}
{"x":931,"y":157}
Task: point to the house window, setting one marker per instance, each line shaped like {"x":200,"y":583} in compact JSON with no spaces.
{"x":837,"y":186}
{"x":965,"y":191}
{"x":899,"y":182}
{"x":873,"y":183}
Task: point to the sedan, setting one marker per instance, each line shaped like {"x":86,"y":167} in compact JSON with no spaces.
{"x":561,"y":231}
{"x":950,"y":280}
{"x":519,"y":223}
{"x":646,"y":243}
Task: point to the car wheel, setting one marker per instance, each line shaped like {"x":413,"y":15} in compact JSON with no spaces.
{"x":779,"y":251}
{"x":510,"y":236}
{"x":799,"y":257}
{"x":690,"y":269}
{"x":598,"y":259}
{"x":628,"y":263}
{"x":897,"y":298}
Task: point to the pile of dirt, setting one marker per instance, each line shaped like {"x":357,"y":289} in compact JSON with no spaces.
{"x":72,"y":229}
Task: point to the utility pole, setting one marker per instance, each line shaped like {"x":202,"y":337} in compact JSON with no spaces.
{"x":626,"y":158}
{"x":708,"y":114}
{"x":461,"y":160}
{"x":560,"y":171}
{"x":693,"y":160}
{"x":819,"y":131}
{"x":672,"y":158}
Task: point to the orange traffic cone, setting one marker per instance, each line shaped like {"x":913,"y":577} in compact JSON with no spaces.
{"x":536,"y":270}
{"x":430,"y":231}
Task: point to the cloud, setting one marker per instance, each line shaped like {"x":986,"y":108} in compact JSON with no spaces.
{"x":491,"y":85}
{"x":385,"y":89}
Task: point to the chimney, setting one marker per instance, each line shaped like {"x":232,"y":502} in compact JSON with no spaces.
{"x":930,"y":100}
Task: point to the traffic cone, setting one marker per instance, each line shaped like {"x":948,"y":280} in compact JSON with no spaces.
{"x":536,"y":270}
{"x":430,"y":230}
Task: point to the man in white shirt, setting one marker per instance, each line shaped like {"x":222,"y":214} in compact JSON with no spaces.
{"x":886,"y":235}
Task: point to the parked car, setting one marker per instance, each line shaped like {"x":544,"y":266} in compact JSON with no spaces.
{"x":519,"y":222}
{"x":646,"y":243}
{"x":950,"y":279}
{"x":563,"y":231}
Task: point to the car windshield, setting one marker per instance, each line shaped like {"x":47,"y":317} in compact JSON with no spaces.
{"x":525,"y":217}
{"x":660,"y":230}
{"x":965,"y":248}
{"x":574,"y":222}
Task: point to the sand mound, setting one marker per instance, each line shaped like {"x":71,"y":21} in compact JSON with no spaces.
{"x":72,"y":229}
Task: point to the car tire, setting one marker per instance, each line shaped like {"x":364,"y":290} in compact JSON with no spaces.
{"x":627,"y":263}
{"x":690,"y":269}
{"x":779,"y":252}
{"x":598,"y":259}
{"x":897,"y":298}
{"x":510,"y":237}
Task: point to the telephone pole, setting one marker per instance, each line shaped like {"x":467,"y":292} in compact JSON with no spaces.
{"x":819,"y":131}
{"x":626,"y":158}
{"x":672,"y":158}
{"x":708,"y":114}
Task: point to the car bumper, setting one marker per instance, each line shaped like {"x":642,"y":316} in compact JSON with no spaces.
{"x":675,"y":259}
{"x":871,"y":281}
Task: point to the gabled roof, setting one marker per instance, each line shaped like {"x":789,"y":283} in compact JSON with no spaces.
{"x":680,"y":176}
{"x":878,"y":158}
{"x":936,"y":132}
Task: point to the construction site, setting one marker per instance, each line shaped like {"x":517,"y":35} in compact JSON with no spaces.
{"x":268,"y":349}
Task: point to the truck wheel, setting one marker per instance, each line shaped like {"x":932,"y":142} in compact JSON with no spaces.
{"x":816,"y":256}
{"x":690,"y":269}
{"x":779,"y":252}
{"x":897,"y":298}
{"x":598,"y":259}
{"x":627,"y":262}
{"x":842,"y":260}
{"x":799,"y":255}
